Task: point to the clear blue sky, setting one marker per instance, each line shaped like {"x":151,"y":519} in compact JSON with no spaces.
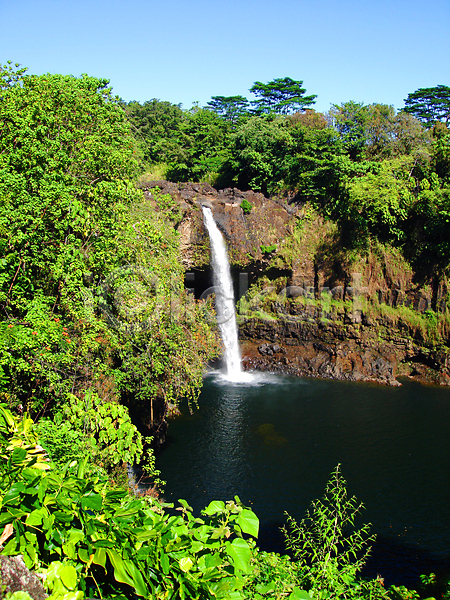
{"x":186,"y":51}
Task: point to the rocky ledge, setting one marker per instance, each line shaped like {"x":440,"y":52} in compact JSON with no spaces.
{"x":353,"y":352}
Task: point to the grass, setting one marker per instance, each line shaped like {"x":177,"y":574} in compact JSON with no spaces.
{"x":433,"y":327}
{"x":157,"y":172}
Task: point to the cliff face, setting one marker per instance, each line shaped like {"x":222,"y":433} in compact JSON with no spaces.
{"x":265,"y":222}
{"x":314,"y":309}
{"x":349,"y":351}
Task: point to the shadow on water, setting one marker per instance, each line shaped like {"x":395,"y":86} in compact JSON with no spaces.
{"x":402,"y":564}
{"x":271,"y":538}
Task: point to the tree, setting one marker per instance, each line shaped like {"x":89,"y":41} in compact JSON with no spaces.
{"x":155,"y":125}
{"x":350,"y":120}
{"x":429,"y":248}
{"x":409,"y":134}
{"x":282,"y":96}
{"x":258,"y":150}
{"x":229,"y":108}
{"x":375,"y":131}
{"x":429,"y":104}
{"x":441,"y":154}
{"x":309,"y":118}
{"x":203,"y":139}
{"x":65,"y":162}
{"x":389,"y":134}
{"x":91,"y":284}
{"x":11,"y":74}
{"x":311,"y":163}
{"x":379,"y":200}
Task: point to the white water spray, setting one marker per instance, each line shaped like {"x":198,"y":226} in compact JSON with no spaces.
{"x":226,"y":314}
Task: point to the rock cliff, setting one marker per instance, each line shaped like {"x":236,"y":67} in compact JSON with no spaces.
{"x":314,"y":309}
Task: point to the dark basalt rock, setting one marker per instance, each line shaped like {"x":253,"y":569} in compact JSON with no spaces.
{"x":352,"y":352}
{"x":268,"y":222}
{"x":16,"y":577}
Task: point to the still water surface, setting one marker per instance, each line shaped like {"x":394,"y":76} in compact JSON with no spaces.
{"x":275,"y":443}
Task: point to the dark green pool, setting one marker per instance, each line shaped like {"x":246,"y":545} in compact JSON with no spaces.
{"x":274,"y":444}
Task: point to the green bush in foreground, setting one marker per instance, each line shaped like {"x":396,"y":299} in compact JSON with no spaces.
{"x":330,"y":551}
{"x":87,"y":539}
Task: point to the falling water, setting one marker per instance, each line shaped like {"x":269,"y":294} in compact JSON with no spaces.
{"x":226,"y":314}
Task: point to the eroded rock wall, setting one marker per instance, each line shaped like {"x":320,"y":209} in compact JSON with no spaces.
{"x":267,"y":237}
{"x":353,"y":351}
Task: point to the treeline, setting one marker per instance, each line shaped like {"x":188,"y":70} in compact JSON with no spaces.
{"x":376,"y":172}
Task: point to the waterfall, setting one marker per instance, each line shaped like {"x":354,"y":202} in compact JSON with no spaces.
{"x":223,"y":287}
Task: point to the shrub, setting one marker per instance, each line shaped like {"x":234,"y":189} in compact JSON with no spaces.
{"x":246,"y":206}
{"x":328,"y":547}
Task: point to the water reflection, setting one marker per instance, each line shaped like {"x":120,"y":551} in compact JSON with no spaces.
{"x":224,"y":464}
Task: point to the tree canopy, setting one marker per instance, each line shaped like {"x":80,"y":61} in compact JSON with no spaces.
{"x":66,"y":159}
{"x":96,"y":327}
{"x":283,"y":96}
{"x":11,"y":74}
{"x":87,"y":268}
{"x":229,"y":107}
{"x":429,"y":104}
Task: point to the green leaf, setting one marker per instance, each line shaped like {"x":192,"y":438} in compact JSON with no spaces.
{"x":264,"y":588}
{"x":76,"y":535}
{"x":239,"y":552}
{"x":82,"y":467}
{"x":100,"y":557}
{"x":34,"y":518}
{"x":120,"y":573}
{"x":131,"y":509}
{"x":165,"y":565}
{"x":18,"y":455}
{"x":103,"y":544}
{"x":214,"y":507}
{"x":83,"y":555}
{"x":248,"y":522}
{"x":186,"y":564}
{"x":91,"y":502}
{"x":13,"y":493}
{"x":29,"y":555}
{"x":185,"y":505}
{"x":68,"y":575}
{"x":69,"y":550}
{"x":299,"y":594}
{"x":115,"y":495}
{"x":147,"y":535}
{"x":138,"y":580}
{"x":10,"y":547}
{"x":63,"y":517}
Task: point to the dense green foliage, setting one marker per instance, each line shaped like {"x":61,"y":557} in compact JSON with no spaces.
{"x":96,"y":326}
{"x":229,"y":107}
{"x":87,"y":539}
{"x":102,"y":542}
{"x":378,"y":173}
{"x":430,"y":104}
{"x":281,"y":96}
{"x":95,"y":320}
